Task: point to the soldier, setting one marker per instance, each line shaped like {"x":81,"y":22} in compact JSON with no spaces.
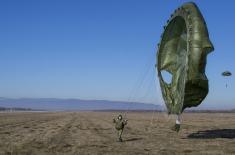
{"x":119,"y":125}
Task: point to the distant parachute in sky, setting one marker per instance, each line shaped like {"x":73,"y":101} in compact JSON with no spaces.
{"x":226,"y":73}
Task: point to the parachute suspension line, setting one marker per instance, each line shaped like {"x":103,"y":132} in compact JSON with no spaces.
{"x":152,"y":117}
{"x":136,"y":88}
{"x":150,"y":84}
{"x":157,"y":91}
{"x":139,"y":83}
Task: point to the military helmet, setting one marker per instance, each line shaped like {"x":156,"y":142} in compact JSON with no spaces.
{"x":120,"y":117}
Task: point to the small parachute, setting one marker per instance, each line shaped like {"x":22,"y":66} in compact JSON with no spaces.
{"x":226,"y":74}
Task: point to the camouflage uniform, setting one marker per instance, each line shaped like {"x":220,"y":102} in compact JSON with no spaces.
{"x":119,"y":125}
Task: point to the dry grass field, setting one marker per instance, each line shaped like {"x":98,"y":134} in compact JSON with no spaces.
{"x":82,"y":133}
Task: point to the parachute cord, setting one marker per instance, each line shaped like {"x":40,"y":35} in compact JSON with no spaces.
{"x":139,"y":83}
{"x":135,"y":91}
{"x":157,"y":91}
{"x":151,"y":87}
{"x":154,"y":110}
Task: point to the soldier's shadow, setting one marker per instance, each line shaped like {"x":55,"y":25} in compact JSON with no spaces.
{"x":212,"y":134}
{"x":132,"y":139}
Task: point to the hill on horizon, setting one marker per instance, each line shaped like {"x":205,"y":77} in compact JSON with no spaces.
{"x":74,"y":104}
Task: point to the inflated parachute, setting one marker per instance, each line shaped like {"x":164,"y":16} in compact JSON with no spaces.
{"x":182,"y":52}
{"x":226,"y":74}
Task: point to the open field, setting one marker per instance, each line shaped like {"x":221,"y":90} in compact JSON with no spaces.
{"x":73,"y":133}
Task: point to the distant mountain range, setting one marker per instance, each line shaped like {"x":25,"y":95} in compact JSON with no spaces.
{"x":74,"y":104}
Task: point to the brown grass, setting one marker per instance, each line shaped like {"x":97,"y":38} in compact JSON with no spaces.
{"x":73,"y":133}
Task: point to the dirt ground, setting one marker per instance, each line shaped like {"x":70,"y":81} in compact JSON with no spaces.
{"x":82,"y":133}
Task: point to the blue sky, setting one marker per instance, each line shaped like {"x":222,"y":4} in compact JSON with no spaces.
{"x":102,"y":49}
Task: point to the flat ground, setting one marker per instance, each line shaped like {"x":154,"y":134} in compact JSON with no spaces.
{"x":73,"y":133}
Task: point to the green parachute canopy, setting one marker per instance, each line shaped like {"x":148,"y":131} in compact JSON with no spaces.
{"x":182,"y":52}
{"x":226,"y":73}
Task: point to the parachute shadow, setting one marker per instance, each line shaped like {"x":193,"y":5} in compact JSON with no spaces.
{"x":212,"y":134}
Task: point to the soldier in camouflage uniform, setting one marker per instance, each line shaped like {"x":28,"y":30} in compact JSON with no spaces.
{"x":119,"y":125}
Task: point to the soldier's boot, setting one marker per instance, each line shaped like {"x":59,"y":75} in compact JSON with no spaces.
{"x":177,"y":124}
{"x":120,"y":139}
{"x":176,"y":127}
